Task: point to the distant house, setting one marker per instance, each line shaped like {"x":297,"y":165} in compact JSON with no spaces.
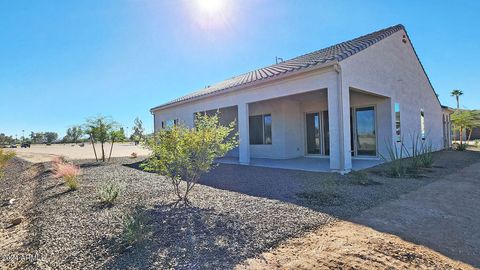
{"x":342,"y":105}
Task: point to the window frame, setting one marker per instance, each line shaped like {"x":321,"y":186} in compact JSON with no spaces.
{"x":262,"y":131}
{"x":422,"y":124}
{"x":398,"y":122}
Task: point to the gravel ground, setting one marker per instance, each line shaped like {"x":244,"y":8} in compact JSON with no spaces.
{"x":222,"y":228}
{"x":238,"y":213}
{"x":17,"y":189}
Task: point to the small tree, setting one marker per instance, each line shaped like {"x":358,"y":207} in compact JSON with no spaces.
{"x":138,"y":131}
{"x":99,"y":128}
{"x":462,"y":120}
{"x":184,"y":154}
{"x":474,"y":124}
{"x":116,"y":136}
{"x":73,"y":134}
{"x":37,"y":137}
{"x":50,"y":137}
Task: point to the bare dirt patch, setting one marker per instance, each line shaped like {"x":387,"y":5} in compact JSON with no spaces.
{"x":45,"y":153}
{"x":345,"y":245}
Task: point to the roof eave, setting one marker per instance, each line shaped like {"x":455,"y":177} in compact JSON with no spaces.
{"x":248,"y":85}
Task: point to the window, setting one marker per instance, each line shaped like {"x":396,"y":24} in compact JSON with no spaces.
{"x":422,"y":124}
{"x":169,"y":123}
{"x":398,"y":130}
{"x":260,"y":127}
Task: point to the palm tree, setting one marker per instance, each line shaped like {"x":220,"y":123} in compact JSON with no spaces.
{"x":457,"y":93}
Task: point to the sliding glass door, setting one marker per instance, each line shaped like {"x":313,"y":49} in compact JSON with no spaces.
{"x":365,"y":131}
{"x":318,"y":142}
{"x":313,"y":133}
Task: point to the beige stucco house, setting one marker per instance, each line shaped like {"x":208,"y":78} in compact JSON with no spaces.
{"x":339,"y":106}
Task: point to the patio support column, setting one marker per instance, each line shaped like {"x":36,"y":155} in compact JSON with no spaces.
{"x":339,"y":123}
{"x":244,"y":134}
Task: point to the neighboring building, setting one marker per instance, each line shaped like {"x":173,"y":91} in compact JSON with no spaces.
{"x":447,"y":126}
{"x":350,"y":101}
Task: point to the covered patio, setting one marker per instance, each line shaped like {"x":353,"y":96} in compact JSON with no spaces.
{"x":311,"y":164}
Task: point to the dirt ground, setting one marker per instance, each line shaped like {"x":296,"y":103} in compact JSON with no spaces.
{"x":434,"y":227}
{"x":346,"y":245}
{"x":44,"y":153}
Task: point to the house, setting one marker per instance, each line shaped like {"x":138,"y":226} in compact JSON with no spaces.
{"x":343,"y":105}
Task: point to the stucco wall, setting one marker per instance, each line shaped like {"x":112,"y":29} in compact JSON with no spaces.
{"x":390,"y":68}
{"x":287,"y":119}
{"x":385,"y":73}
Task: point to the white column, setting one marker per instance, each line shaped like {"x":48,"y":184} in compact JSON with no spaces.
{"x":346,"y":158}
{"x":334,"y":128}
{"x":339,"y":124}
{"x":244,"y":134}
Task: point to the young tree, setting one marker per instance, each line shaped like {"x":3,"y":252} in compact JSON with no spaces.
{"x":474,"y":124}
{"x":37,"y":137}
{"x":4,"y":139}
{"x":457,"y":93}
{"x":462,"y":120}
{"x":183,"y":154}
{"x":138,"y":131}
{"x":73,"y":134}
{"x":116,"y":136}
{"x":50,"y":137}
{"x":99,"y":128}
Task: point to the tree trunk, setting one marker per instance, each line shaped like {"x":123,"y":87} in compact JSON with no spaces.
{"x":470,"y":134}
{"x":461,"y":135}
{"x":111,"y":148}
{"x":93,"y":145}
{"x":103,"y":153}
{"x":458,"y":102}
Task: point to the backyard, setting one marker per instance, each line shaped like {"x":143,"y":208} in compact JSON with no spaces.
{"x":243,"y":217}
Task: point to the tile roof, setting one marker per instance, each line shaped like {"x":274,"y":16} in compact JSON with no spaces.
{"x":331,"y":54}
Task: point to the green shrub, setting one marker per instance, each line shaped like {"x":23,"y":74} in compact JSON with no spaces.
{"x":183,"y":154}
{"x":134,"y":228}
{"x":422,"y":153}
{"x":5,"y":156}
{"x":397,"y":166}
{"x":460,"y":147}
{"x":108,"y":192}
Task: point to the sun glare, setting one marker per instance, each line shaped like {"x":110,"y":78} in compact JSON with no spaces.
{"x":211,"y":7}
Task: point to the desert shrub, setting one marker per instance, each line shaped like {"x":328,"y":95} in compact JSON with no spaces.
{"x":184,"y":154}
{"x":421,"y":153}
{"x":134,"y":228}
{"x":108,"y":192}
{"x":396,"y":164}
{"x":68,"y":172}
{"x":359,"y":178}
{"x":459,"y":147}
{"x":5,"y":157}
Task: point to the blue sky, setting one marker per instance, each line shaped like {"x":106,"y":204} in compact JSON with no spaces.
{"x":64,"y":61}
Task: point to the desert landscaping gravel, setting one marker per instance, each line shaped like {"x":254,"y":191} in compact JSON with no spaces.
{"x":237,"y":212}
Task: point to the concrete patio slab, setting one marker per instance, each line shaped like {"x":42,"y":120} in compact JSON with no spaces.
{"x":312,"y":164}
